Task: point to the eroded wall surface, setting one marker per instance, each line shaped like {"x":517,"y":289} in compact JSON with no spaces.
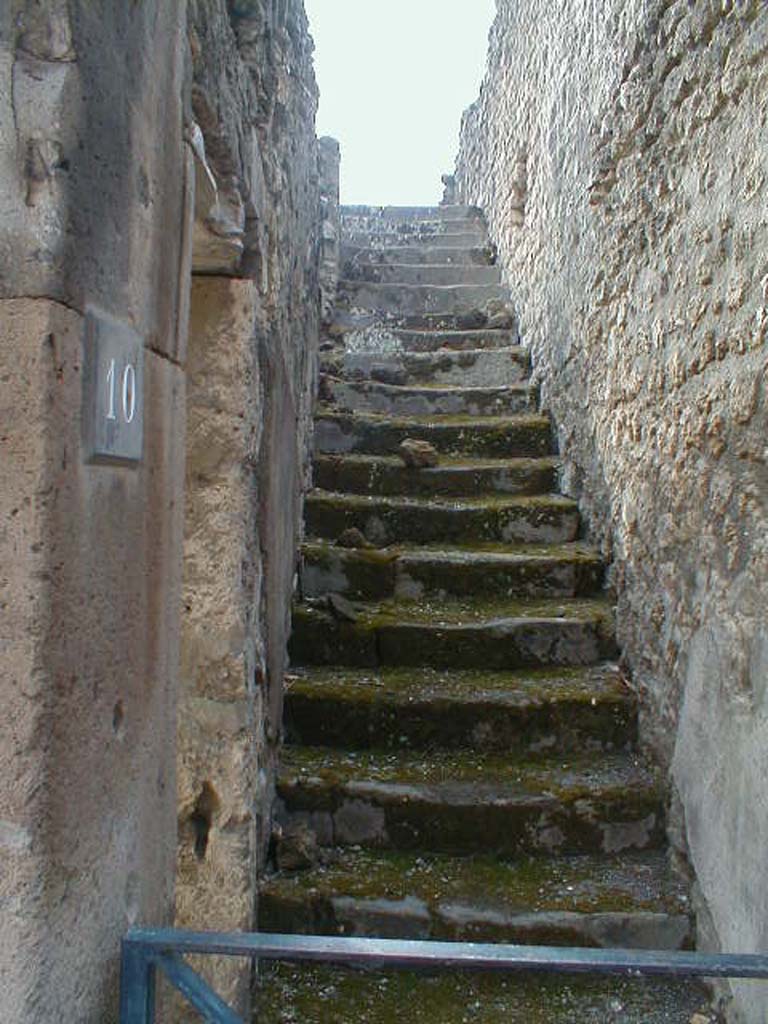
{"x":619,"y":151}
{"x":254,"y":324}
{"x":91,"y":215}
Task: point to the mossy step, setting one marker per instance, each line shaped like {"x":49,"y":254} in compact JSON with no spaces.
{"x":451,"y":634}
{"x":450,"y":237}
{"x":467,"y":802}
{"x":428,"y":400}
{"x":288,"y":994}
{"x":496,"y":436}
{"x":631,"y":901}
{"x":525,"y":519}
{"x":384,"y":215}
{"x":381,"y":349}
{"x":420,"y":708}
{"x":456,"y":341}
{"x":569,"y":570}
{"x":454,"y":477}
{"x":358,"y":256}
{"x":440,"y":274}
{"x":419,"y":299}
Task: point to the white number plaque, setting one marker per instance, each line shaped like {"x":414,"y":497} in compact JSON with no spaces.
{"x":113,"y":390}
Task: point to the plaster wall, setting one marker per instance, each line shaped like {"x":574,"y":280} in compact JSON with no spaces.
{"x":149,"y":151}
{"x":619,"y":152}
{"x":91,"y":214}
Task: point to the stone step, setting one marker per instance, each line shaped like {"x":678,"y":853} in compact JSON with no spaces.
{"x":375,"y":227}
{"x":449,"y":368}
{"x":417,"y":299}
{"x":359,"y":324}
{"x":495,"y":436}
{"x":454,"y":634}
{"x":516,"y":713}
{"x":513,"y":519}
{"x":479,"y":317}
{"x":425,"y":274}
{"x":461,"y":341}
{"x":435,"y":400}
{"x":451,"y":236}
{"x":632,"y":901}
{"x":358,"y":256}
{"x":469,"y":803}
{"x":570,"y":570}
{"x":453,"y":477}
{"x":409,"y":214}
{"x":313,"y":994}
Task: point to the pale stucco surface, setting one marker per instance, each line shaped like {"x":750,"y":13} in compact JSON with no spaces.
{"x":91,"y":215}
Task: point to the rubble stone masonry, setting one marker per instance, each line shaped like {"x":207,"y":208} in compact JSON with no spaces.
{"x":618,"y":148}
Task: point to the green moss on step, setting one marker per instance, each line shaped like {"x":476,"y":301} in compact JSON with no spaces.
{"x":324,"y":995}
{"x":584,"y":884}
{"x":565,"y":777}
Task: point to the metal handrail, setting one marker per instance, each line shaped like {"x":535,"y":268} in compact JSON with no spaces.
{"x":144,"y":951}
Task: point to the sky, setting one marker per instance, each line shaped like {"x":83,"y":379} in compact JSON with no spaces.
{"x":394,"y":77}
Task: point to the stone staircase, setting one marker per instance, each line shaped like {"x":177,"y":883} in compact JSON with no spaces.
{"x":461,"y":756}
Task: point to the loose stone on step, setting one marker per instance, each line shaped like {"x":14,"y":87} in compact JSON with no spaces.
{"x":418,"y":454}
{"x":295,"y":847}
{"x":499,"y":315}
{"x":341,"y":608}
{"x":471,"y":321}
{"x":388,"y":374}
{"x":352,"y":538}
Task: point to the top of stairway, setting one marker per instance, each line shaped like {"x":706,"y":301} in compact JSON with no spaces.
{"x":413,"y":213}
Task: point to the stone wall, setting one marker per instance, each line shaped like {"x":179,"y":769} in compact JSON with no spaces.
{"x":618,"y":149}
{"x":158,"y":169}
{"x":254,"y":325}
{"x":91,"y":217}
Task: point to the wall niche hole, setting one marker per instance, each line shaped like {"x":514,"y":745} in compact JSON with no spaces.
{"x":201,"y":818}
{"x":118,"y":718}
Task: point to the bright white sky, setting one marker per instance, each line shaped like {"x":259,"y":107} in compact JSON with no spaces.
{"x":395,"y":76}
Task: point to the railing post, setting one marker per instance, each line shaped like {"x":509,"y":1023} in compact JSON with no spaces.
{"x":137,"y":984}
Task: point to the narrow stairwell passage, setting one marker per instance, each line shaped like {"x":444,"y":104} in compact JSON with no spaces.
{"x":461,"y":756}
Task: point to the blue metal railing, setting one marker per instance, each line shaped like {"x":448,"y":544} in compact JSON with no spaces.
{"x":145,"y":951}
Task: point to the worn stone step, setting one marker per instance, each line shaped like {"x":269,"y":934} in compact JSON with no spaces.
{"x":519,"y":713}
{"x":426,"y":274}
{"x":425,"y":400}
{"x":410,"y":214}
{"x":463,"y":368}
{"x":358,"y":256}
{"x":466,"y":802}
{"x":448,"y":236}
{"x":632,"y":901}
{"x":521,"y":519}
{"x":570,"y":570}
{"x":327,"y":995}
{"x":495,"y":436}
{"x":455,"y":634}
{"x":455,"y":476}
{"x":462,"y":341}
{"x":428,"y":225}
{"x":419,"y":299}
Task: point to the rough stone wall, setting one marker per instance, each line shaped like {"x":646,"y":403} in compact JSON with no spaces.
{"x":618,"y":149}
{"x":91,"y":213}
{"x":330,"y":227}
{"x":254,"y":324}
